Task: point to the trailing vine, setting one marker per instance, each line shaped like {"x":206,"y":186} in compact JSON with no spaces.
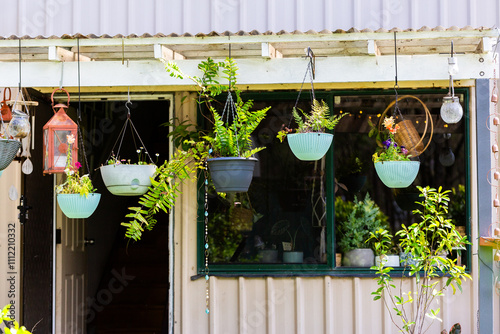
{"x":228,"y":137}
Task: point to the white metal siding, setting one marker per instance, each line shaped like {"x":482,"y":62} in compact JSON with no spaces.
{"x":58,"y":17}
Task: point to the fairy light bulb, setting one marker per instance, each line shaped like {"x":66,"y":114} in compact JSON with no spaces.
{"x":451,"y":110}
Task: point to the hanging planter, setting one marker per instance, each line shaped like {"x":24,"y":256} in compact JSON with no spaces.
{"x":310,"y":142}
{"x":8,"y":151}
{"x":397,"y":174}
{"x":231,"y":174}
{"x":127,"y":180}
{"x":78,"y":206}
{"x":310,"y":146}
{"x":123,"y":178}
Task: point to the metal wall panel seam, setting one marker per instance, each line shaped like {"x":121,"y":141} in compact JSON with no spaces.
{"x":271,"y":15}
{"x":443,"y":13}
{"x":299,"y":15}
{"x":271,"y":305}
{"x":328,"y":304}
{"x":243,"y":22}
{"x":356,"y":14}
{"x":472,"y":12}
{"x":474,"y":292}
{"x":299,"y":307}
{"x":357,"y":306}
{"x":414,"y":14}
{"x":242,"y":306}
{"x":483,"y":143}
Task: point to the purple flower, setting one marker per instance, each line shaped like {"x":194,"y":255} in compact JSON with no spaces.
{"x":78,"y":165}
{"x":387,"y":143}
{"x":404,"y":150}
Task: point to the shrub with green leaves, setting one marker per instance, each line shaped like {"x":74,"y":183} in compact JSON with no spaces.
{"x":427,"y":241}
{"x":11,"y":325}
{"x":354,"y":228}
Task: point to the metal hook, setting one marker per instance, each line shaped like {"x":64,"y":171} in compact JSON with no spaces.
{"x":128,"y":109}
{"x":312,"y":61}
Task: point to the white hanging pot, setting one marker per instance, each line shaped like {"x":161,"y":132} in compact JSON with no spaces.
{"x":127,"y":180}
{"x":310,"y":146}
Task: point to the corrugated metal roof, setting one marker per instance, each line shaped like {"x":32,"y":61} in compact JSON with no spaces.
{"x":247,"y":44}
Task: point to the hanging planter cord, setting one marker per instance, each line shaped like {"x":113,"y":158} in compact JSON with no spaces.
{"x":397,"y":112}
{"x":133,"y":130}
{"x":311,"y":70}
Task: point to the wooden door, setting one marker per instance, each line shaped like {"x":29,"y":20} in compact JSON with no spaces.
{"x":71,"y":278}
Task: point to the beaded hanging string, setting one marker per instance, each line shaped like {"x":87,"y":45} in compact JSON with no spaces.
{"x":206,"y":252}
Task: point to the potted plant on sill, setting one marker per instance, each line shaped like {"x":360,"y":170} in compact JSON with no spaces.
{"x":76,"y":196}
{"x":310,"y":142}
{"x":123,"y":178}
{"x":290,"y":254}
{"x":386,"y":252}
{"x":426,"y":240}
{"x":392,"y":162}
{"x":352,"y":232}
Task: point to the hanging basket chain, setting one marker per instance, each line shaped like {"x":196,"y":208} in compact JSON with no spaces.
{"x":309,"y":70}
{"x":121,"y":136}
{"x":206,"y":247}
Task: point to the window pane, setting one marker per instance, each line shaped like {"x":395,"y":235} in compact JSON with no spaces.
{"x":284,"y":208}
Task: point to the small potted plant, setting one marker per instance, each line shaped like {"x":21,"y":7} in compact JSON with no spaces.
{"x":76,"y":196}
{"x":386,"y":252}
{"x":123,"y":178}
{"x":392,"y":162}
{"x":290,"y":254}
{"x":310,"y":142}
{"x":364,"y":218}
{"x":426,"y":240}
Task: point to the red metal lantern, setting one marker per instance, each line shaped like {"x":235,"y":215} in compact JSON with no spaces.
{"x":55,"y":139}
{"x":5,"y":109}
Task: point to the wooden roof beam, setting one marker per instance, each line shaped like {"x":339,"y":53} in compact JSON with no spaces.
{"x":269,"y":51}
{"x":372,"y":47}
{"x":57,"y":53}
{"x":161,"y":51}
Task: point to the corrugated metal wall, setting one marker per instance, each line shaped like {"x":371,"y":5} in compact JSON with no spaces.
{"x":58,"y":17}
{"x":300,"y":305}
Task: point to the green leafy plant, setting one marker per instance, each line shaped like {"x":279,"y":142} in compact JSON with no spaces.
{"x":390,"y":150}
{"x":74,"y":184}
{"x":353,"y":230}
{"x":317,"y":120}
{"x":426,"y":241}
{"x":11,"y":325}
{"x":228,"y":137}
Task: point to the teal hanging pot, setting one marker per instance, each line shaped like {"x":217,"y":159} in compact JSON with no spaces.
{"x":231,"y":174}
{"x":78,"y":206}
{"x":397,"y":174}
{"x":8,"y":151}
{"x":309,"y":146}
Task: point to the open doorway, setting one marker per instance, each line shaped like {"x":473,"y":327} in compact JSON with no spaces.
{"x":127,"y":282}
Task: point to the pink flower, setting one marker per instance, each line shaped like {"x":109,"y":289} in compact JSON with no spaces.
{"x":78,"y":165}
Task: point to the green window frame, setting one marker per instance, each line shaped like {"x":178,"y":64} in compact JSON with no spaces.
{"x":329,"y":268}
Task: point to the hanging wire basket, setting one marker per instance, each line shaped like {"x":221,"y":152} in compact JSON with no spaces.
{"x":407,"y":134}
{"x":8,"y":151}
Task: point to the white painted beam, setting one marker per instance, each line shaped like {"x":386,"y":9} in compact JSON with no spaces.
{"x":269,"y":51}
{"x":161,"y":51}
{"x":255,"y":71}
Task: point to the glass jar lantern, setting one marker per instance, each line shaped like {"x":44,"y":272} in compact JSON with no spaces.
{"x":19,"y":126}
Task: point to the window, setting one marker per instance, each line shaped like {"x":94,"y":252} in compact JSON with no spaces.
{"x":291,"y":203}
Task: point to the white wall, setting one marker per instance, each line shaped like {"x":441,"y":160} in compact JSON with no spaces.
{"x":58,"y":17}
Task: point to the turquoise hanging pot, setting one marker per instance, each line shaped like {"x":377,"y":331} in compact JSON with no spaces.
{"x":78,"y":206}
{"x":310,"y":146}
{"x":397,"y":174}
